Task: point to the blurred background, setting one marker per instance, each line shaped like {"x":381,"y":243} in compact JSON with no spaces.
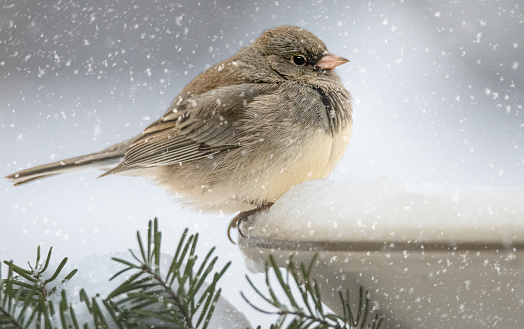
{"x":437,"y":88}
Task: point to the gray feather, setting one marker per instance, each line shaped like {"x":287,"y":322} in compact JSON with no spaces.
{"x":194,"y":128}
{"x":103,"y":160}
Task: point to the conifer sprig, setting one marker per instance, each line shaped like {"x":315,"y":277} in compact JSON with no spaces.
{"x":172,"y":297}
{"x":175,"y":298}
{"x":306,"y":310}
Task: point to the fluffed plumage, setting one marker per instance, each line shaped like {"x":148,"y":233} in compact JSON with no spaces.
{"x":242,"y":133}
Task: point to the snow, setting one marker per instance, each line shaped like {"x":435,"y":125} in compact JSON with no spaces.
{"x":422,"y":110}
{"x":388,"y":210}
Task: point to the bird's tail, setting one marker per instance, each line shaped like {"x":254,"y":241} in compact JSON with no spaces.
{"x":103,"y":160}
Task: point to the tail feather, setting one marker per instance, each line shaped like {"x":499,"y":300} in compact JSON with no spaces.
{"x":103,"y":160}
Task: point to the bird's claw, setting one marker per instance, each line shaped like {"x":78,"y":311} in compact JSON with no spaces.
{"x":242,"y":217}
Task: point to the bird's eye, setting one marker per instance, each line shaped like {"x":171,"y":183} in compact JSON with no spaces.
{"x":299,"y":60}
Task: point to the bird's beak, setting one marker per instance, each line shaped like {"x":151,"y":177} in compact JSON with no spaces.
{"x":329,"y":61}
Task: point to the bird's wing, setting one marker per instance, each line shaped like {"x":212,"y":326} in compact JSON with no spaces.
{"x":193,"y":128}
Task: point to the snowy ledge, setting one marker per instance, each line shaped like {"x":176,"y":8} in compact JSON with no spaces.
{"x":430,"y":256}
{"x":387,"y":214}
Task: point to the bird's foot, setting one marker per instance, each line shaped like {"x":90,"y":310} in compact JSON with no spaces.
{"x":243,"y":216}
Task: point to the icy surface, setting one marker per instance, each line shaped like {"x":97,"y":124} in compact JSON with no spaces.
{"x":386,"y":210}
{"x":93,"y":276}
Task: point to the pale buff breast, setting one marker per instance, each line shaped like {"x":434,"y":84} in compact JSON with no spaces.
{"x":315,"y":159}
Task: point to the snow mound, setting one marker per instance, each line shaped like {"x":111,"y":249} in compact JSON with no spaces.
{"x":385,"y":210}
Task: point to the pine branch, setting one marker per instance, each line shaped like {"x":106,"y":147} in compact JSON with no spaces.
{"x":147,"y":298}
{"x":175,"y":299}
{"x":309,"y":311}
{"x":24,"y":294}
{"x":26,"y":280}
{"x":8,"y":304}
{"x":170,"y":298}
{"x":10,"y":319}
{"x":171,"y":293}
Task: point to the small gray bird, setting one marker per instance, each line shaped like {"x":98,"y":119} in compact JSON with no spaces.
{"x":242,"y":133}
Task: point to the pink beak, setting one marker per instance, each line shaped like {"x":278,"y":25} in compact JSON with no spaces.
{"x":329,"y":61}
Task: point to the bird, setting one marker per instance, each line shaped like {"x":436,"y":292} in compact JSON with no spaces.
{"x":242,"y":133}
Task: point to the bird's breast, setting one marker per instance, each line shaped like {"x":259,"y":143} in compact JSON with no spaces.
{"x":313,"y":158}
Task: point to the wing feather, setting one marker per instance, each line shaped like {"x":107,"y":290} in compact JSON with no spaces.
{"x":196,"y":127}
